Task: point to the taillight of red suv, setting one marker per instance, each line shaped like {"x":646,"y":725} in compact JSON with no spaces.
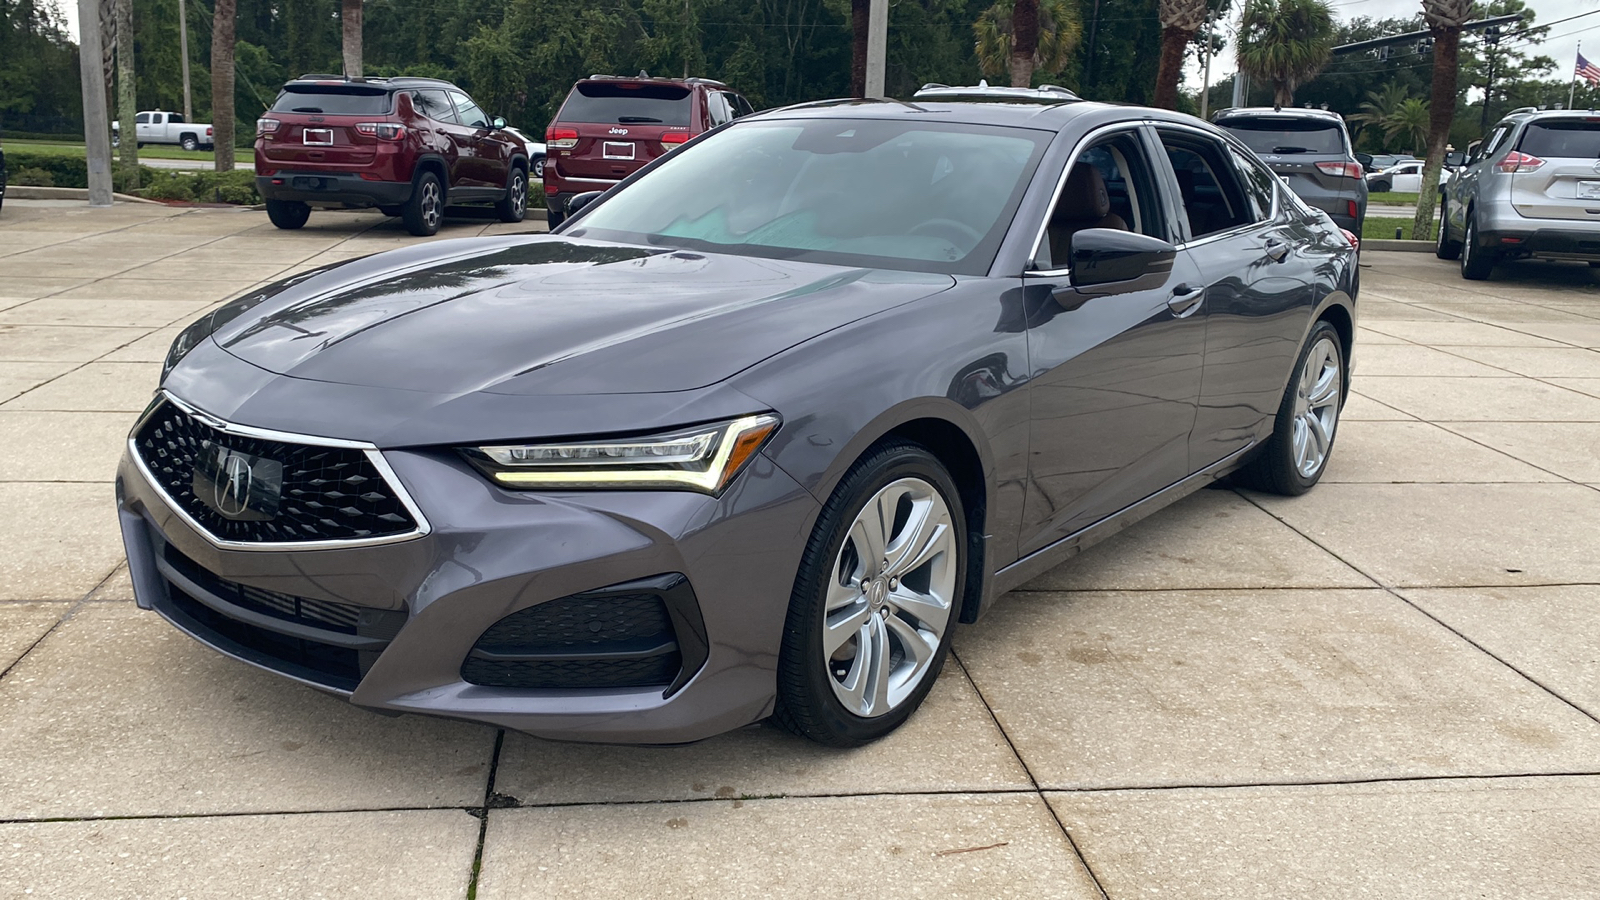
{"x":383,"y":131}
{"x":560,"y":138}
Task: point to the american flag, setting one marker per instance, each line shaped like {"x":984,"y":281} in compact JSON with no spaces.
{"x":1588,"y":71}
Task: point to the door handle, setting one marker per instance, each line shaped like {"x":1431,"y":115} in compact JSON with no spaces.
{"x":1276,"y":249}
{"x":1186,"y":299}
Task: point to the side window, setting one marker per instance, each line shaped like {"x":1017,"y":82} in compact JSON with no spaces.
{"x":1260,"y":187}
{"x":1110,"y":185}
{"x":471,"y":116}
{"x":1212,"y":199}
{"x":741,"y":106}
{"x":717,"y":106}
{"x":141,"y":119}
{"x":434,"y":105}
{"x":175,"y":117}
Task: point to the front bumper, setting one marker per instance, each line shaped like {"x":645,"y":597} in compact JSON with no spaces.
{"x":425,"y":602}
{"x":331,"y":188}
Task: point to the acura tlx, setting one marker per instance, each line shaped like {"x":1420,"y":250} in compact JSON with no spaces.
{"x":752,"y":433}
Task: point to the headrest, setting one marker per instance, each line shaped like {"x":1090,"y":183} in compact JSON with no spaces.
{"x":1084,"y":195}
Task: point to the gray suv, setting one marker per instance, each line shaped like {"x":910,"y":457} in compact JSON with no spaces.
{"x":1310,"y":150}
{"x":1529,"y":189}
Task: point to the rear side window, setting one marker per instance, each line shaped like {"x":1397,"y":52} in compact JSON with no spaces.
{"x":1208,"y":184}
{"x":625,"y":103}
{"x":1259,"y":185}
{"x":332,"y":102}
{"x":1288,"y":135}
{"x":1562,"y":139}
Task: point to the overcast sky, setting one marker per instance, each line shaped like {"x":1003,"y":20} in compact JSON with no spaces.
{"x":1562,"y":45}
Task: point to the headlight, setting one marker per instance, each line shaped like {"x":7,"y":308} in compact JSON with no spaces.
{"x":702,"y":458}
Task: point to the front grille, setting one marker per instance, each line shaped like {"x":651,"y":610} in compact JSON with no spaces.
{"x":640,"y":634}
{"x":303,"y":493}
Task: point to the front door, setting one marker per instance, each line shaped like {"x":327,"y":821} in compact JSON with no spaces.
{"x":1116,"y":368}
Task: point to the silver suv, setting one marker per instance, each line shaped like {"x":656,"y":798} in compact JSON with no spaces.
{"x":1531,"y":188}
{"x":1310,"y":150}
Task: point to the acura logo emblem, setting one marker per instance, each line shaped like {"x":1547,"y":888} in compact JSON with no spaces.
{"x":231,"y":494}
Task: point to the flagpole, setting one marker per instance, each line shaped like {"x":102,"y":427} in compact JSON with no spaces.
{"x":1574,"y":85}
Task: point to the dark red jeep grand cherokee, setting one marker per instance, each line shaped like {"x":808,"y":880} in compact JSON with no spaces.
{"x":612,"y":125}
{"x":409,"y":146}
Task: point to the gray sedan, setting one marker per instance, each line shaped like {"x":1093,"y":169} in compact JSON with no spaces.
{"x":754,"y":433}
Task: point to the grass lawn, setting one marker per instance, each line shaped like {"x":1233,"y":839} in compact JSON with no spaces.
{"x":1392,"y":198}
{"x":1382,"y":228}
{"x":148,"y":151}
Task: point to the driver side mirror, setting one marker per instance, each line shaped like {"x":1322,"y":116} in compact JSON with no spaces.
{"x":1109,"y":256}
{"x":1455,"y":159}
{"x":497,"y":123}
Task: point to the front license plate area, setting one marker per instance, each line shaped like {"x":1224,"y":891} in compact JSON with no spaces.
{"x":617,"y":150}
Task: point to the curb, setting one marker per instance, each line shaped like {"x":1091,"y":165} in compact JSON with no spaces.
{"x":32,"y":192}
{"x":1392,"y":244}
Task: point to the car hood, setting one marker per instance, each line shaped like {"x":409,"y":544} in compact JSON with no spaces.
{"x":551,"y":315}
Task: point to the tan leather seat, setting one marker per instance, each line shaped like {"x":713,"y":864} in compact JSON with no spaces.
{"x":1084,"y":203}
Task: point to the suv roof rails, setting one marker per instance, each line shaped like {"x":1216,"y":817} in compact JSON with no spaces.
{"x":645,"y":76}
{"x":377,"y":80}
{"x":1047,"y":92}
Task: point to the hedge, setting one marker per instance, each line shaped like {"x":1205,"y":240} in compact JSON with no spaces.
{"x":56,"y":170}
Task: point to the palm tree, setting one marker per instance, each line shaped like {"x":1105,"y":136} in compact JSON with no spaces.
{"x":350,"y":24}
{"x":1286,"y":42}
{"x":127,"y":102}
{"x":1409,"y":121}
{"x":222,"y":39}
{"x":1445,"y":18}
{"x":1058,"y":31}
{"x":1180,"y":21}
{"x":1380,"y":106}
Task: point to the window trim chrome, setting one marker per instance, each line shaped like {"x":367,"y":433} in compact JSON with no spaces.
{"x":1061,"y":182}
{"x":373,"y":454}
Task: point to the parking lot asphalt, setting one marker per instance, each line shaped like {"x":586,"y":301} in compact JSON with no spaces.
{"x":1389,"y":687}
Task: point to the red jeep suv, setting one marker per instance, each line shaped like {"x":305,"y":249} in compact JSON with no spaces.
{"x":612,"y":125}
{"x":409,"y":146}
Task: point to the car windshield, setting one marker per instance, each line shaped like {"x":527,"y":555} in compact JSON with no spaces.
{"x":332,"y":102}
{"x":890,"y":194}
{"x":1284,"y":134}
{"x":627,"y":102}
{"x":1563,"y":139}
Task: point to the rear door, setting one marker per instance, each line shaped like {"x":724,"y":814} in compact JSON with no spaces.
{"x":620,"y":126}
{"x":317,"y":125}
{"x":1556,"y":169}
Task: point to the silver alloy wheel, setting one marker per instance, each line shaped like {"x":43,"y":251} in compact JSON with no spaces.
{"x":430,"y":204}
{"x":1316,"y":407}
{"x":1467,"y":240}
{"x":519,"y":192}
{"x":538,"y":169}
{"x":889,"y":597}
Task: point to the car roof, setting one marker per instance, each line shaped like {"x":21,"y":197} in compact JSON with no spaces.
{"x":1248,"y":112}
{"x":1529,"y":113}
{"x":644,"y":78}
{"x":1021,"y":114}
{"x":398,"y":82}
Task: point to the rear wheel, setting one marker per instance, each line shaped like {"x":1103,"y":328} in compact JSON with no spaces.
{"x":875,"y":600}
{"x":1476,"y":262}
{"x":288,"y":214}
{"x":425,"y":210}
{"x":514,"y":205}
{"x":1308,"y":418}
{"x":189,"y":142}
{"x":1379,"y":187}
{"x":555,"y":218}
{"x":1445,"y":248}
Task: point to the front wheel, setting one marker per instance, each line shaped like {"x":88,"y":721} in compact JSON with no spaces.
{"x":288,"y":214}
{"x":425,"y":210}
{"x":1476,"y":262}
{"x":875,"y":600}
{"x":1379,"y":187}
{"x":1308,"y":418}
{"x":1444,"y":248}
{"x":538,"y":169}
{"x":514,"y":205}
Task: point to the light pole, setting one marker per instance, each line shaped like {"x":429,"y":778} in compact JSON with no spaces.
{"x":183,"y":48}
{"x":877,"y":47}
{"x":96,"y":129}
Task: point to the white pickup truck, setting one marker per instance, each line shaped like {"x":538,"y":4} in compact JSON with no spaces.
{"x":158,"y":127}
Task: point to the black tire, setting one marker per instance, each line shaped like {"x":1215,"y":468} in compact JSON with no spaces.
{"x":1379,"y":187}
{"x":514,"y":205}
{"x":189,"y":143}
{"x":807,"y":702}
{"x":138,"y":145}
{"x":1476,"y":262}
{"x":392,"y":212}
{"x":288,"y":214}
{"x":554,"y":218}
{"x":1444,"y":248}
{"x":424,"y":211}
{"x":1274,"y":469}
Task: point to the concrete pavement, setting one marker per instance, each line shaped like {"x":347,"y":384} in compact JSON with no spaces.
{"x":1388,"y":687}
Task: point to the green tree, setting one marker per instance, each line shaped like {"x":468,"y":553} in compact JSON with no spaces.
{"x":1286,"y":42}
{"x":1409,"y":122}
{"x":1058,"y":33}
